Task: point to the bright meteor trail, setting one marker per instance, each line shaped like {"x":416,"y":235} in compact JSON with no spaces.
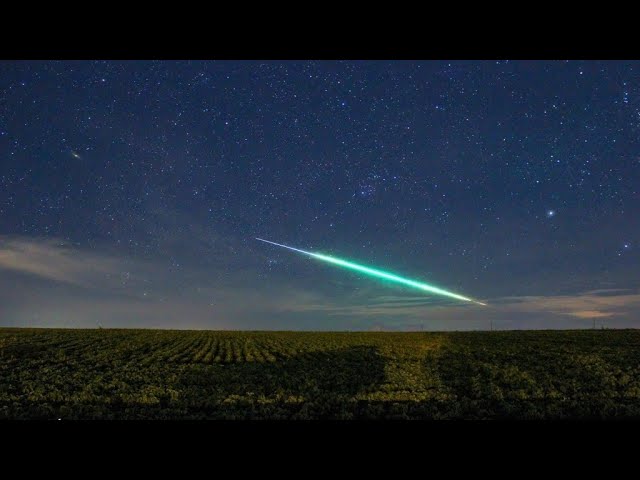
{"x":378,"y":273}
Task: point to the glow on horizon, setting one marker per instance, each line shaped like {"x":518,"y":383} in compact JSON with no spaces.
{"x":379,"y":273}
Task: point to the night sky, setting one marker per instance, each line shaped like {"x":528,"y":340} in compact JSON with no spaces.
{"x":131,"y":193}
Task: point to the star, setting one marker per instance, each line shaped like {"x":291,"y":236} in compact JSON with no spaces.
{"x":551,"y":213}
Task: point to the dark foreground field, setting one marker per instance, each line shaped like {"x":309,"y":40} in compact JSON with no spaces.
{"x":150,"y":374}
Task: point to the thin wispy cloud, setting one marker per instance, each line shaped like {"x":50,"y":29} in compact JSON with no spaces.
{"x":54,"y":260}
{"x":59,"y":284}
{"x":590,"y":304}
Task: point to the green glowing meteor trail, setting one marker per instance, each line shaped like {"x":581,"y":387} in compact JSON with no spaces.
{"x":379,"y":273}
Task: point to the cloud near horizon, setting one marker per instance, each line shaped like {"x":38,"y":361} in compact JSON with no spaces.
{"x":53,"y":260}
{"x":46,"y":282}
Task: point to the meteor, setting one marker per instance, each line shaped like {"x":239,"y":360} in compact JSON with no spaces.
{"x":378,"y":273}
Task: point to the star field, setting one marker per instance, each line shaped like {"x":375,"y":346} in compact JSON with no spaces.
{"x":497,"y":179}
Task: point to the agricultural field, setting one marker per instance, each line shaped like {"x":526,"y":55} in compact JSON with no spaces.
{"x":161,"y":374}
